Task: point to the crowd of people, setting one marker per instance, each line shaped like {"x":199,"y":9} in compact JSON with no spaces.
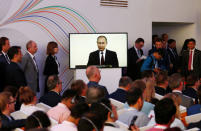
{"x":89,"y":106}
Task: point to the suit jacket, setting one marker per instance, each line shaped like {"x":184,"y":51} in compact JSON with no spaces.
{"x":8,"y":125}
{"x":174,"y":58}
{"x":110,"y":58}
{"x":133,"y":70}
{"x":51,"y":98}
{"x":162,"y":91}
{"x":196,"y":124}
{"x":119,"y":95}
{"x":3,"y":64}
{"x":185,"y":100}
{"x":191,"y":93}
{"x":31,"y":72}
{"x":15,"y":75}
{"x":196,"y":63}
{"x":51,"y":66}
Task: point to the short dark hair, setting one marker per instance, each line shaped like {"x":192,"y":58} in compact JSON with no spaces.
{"x":138,"y":40}
{"x":102,"y":36}
{"x":14,"y":50}
{"x":50,"y":47}
{"x":191,"y":40}
{"x":175,"y":80}
{"x":160,"y":51}
{"x":192,"y":79}
{"x":12,"y":89}
{"x":147,"y":74}
{"x":158,"y":40}
{"x":161,"y":77}
{"x":79,"y":110}
{"x":138,"y":84}
{"x":52,"y":81}
{"x":78,"y":86}
{"x":170,"y":41}
{"x":36,"y":119}
{"x":3,"y":42}
{"x":94,"y":94}
{"x":124,"y":81}
{"x":69,"y":93}
{"x":164,"y":110}
{"x":134,"y":95}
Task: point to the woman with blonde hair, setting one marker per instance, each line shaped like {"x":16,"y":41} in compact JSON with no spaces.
{"x":28,"y":99}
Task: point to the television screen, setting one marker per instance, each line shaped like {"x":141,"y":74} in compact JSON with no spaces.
{"x":106,"y":50}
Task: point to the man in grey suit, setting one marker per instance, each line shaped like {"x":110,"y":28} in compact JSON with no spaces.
{"x":30,"y":67}
{"x":176,"y":84}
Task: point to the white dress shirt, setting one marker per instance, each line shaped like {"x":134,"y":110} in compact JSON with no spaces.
{"x":64,"y":126}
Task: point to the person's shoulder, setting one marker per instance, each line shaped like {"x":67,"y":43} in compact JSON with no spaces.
{"x":109,"y":51}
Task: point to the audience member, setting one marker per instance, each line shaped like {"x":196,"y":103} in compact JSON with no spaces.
{"x":93,"y":75}
{"x":176,"y":84}
{"x":94,"y":94}
{"x":4,"y":60}
{"x":72,"y":121}
{"x":91,"y":121}
{"x":62,"y":111}
{"x":37,"y":119}
{"x":28,"y":100}
{"x":165,"y":40}
{"x":51,"y":63}
{"x":135,"y":101}
{"x":52,"y":98}
{"x":161,"y":87}
{"x":184,"y":47}
{"x":14,"y":74}
{"x":165,"y":111}
{"x":7,"y":106}
{"x":191,"y":60}
{"x":154,"y":38}
{"x":29,"y":66}
{"x":121,"y":93}
{"x":135,"y":59}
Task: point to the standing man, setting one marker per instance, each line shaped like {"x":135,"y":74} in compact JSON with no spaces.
{"x":4,"y":60}
{"x":135,"y":59}
{"x":14,"y":74}
{"x":191,"y":60}
{"x":30,"y":67}
{"x":102,"y":56}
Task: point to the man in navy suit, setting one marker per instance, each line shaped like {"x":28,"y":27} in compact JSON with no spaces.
{"x":121,"y":93}
{"x":4,"y":59}
{"x":102,"y":56}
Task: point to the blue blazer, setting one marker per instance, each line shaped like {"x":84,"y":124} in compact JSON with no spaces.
{"x":194,"y":109}
{"x":119,"y":95}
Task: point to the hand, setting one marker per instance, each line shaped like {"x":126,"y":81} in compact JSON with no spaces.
{"x":138,"y":60}
{"x":134,"y":128}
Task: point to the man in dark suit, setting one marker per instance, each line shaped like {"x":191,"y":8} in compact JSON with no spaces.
{"x":103,"y":56}
{"x":52,"y":98}
{"x":121,"y":93}
{"x":4,"y":60}
{"x":7,"y":106}
{"x":191,"y":60}
{"x":93,"y":75}
{"x":176,"y":84}
{"x":14,"y":73}
{"x":135,"y":59}
{"x":30,"y":67}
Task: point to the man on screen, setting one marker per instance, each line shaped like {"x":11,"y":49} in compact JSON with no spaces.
{"x":103,"y":56}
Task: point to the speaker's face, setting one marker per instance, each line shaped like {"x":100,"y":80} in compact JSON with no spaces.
{"x":101,"y":42}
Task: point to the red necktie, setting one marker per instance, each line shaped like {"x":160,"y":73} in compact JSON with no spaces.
{"x":190,"y":60}
{"x":102,"y":58}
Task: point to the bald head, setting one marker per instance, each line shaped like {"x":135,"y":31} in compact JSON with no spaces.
{"x":93,"y":73}
{"x":32,"y":47}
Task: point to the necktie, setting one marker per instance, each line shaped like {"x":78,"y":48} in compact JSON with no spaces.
{"x":7,"y":59}
{"x":139,"y":53}
{"x":190,"y":60}
{"x":35,"y":63}
{"x":102,"y":58}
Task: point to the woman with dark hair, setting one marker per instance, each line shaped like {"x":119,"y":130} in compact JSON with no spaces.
{"x":51,"y":63}
{"x":38,"y":119}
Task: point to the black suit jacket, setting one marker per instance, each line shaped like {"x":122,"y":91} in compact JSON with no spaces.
{"x":51,"y":66}
{"x":15,"y":76}
{"x":119,"y":95}
{"x":3,"y":64}
{"x":191,"y":93}
{"x":8,"y":125}
{"x":51,"y":98}
{"x":133,"y":70}
{"x":110,"y":58}
{"x":174,"y":58}
{"x":196,"y":63}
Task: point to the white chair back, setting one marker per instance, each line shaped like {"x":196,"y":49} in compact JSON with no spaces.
{"x":43,"y":106}
{"x":193,"y":118}
{"x":18,"y":115}
{"x":116,"y":103}
{"x":122,"y":125}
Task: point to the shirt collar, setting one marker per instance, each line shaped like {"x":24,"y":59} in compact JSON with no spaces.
{"x":30,"y":54}
{"x":192,"y":50}
{"x":4,"y":53}
{"x":102,"y":51}
{"x":136,"y":48}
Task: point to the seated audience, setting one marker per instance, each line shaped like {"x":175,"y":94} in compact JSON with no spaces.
{"x":62,"y":111}
{"x":52,"y":98}
{"x":161,"y":87}
{"x":193,"y":125}
{"x":193,"y":82}
{"x":37,"y":119}
{"x":165,"y":111}
{"x":90,"y":122}
{"x":7,"y":106}
{"x":176,"y":84}
{"x":81,"y":88}
{"x":94,"y":94}
{"x":194,"y":109}
{"x":135,"y":101}
{"x":121,"y":93}
{"x":93,"y":75}
{"x":28,"y":99}
{"x":71,"y":122}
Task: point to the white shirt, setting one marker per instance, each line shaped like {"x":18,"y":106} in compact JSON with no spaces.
{"x":193,"y":51}
{"x":100,"y":55}
{"x":32,"y":56}
{"x":64,"y":126}
{"x":139,"y":55}
{"x":29,"y":109}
